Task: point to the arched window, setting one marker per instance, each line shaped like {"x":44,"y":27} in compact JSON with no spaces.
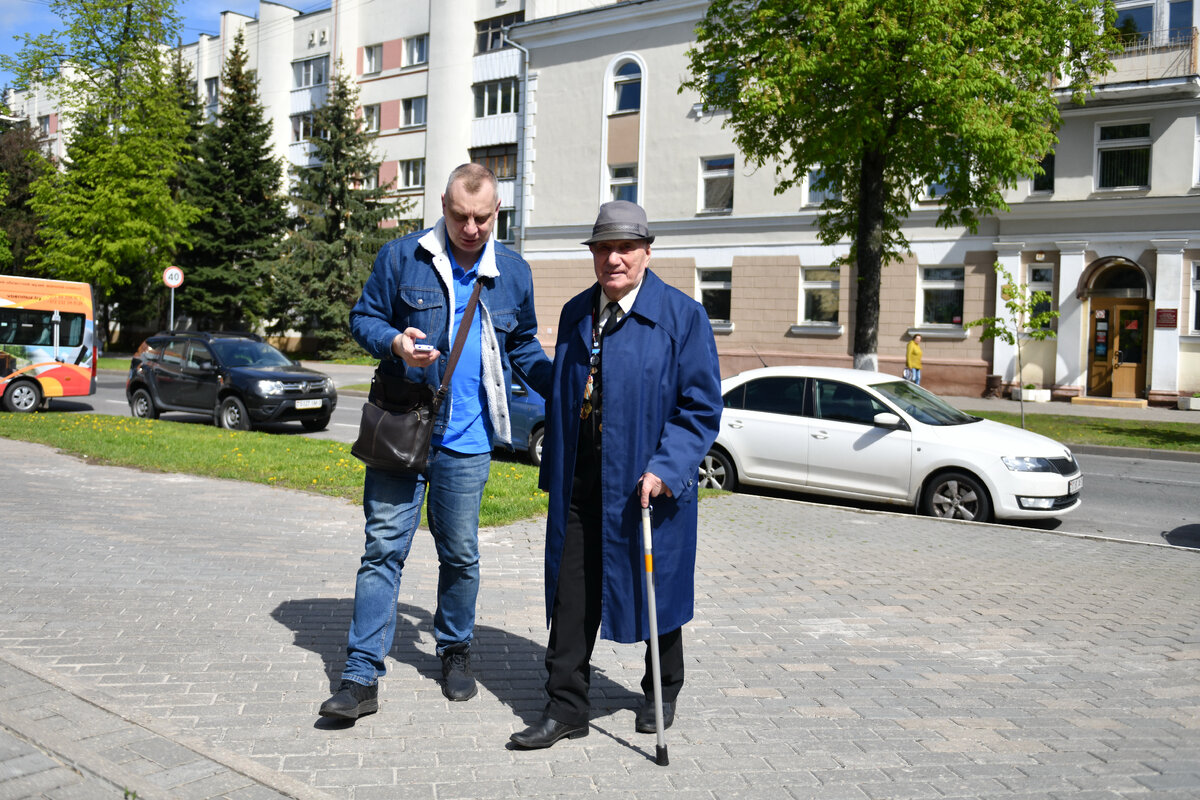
{"x":628,"y":85}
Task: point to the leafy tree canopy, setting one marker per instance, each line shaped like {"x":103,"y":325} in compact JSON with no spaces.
{"x":23,"y":159}
{"x":887,"y":97}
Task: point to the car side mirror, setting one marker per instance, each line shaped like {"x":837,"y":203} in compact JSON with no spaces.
{"x":886,"y":419}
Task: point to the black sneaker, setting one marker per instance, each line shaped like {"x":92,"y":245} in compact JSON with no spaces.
{"x":458,"y":681}
{"x":351,"y":701}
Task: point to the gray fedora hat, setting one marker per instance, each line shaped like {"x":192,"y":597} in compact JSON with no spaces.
{"x":620,"y":219}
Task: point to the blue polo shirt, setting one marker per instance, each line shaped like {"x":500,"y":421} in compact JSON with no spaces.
{"x":469,"y":429}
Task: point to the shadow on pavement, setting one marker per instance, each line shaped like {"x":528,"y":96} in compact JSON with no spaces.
{"x":1183,"y":536}
{"x":509,"y":666}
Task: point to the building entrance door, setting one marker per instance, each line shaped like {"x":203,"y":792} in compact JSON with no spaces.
{"x":1117,"y":347}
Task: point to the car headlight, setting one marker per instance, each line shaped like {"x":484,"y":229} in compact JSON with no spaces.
{"x":268,"y":388}
{"x":1028,"y":464}
{"x":329,"y":387}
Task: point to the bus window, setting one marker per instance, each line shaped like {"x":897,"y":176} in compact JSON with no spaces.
{"x":18,"y":326}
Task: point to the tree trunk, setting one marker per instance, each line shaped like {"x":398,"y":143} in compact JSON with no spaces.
{"x":868,"y":259}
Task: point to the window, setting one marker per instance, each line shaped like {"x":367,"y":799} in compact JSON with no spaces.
{"x":44,"y":125}
{"x":842,"y":402}
{"x":818,"y":196}
{"x":372,"y":59}
{"x":1123,"y":156}
{"x":716,"y":291}
{"x":416,"y":50}
{"x":941,"y":295}
{"x":628,"y":87}
{"x":1179,"y":21}
{"x":819,"y":294}
{"x":623,"y":182}
{"x":414,"y":111}
{"x":311,"y":72}
{"x":497,"y":97}
{"x":212,"y":91}
{"x":31,"y":327}
{"x":1045,"y":181}
{"x":1135,"y":24}
{"x":775,"y":395}
{"x":504,"y":224}
{"x":938,"y":188}
{"x":500,"y":159}
{"x":716,"y":178}
{"x":488,"y":32}
{"x":1041,"y":279}
{"x":411,"y":174}
{"x":304,"y":127}
{"x":1196,"y":296}
{"x":371,"y":118}
{"x":369,"y":182}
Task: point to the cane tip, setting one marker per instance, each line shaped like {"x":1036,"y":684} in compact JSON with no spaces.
{"x":660,"y":756}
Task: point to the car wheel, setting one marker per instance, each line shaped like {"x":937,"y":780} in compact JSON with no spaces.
{"x":22,"y":397}
{"x":231,"y":414}
{"x":717,"y":472}
{"x":317,"y":424}
{"x":141,"y":405}
{"x":535,"y":445}
{"x":956,"y":495}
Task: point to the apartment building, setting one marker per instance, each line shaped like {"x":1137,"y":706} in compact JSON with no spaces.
{"x":1112,"y":232}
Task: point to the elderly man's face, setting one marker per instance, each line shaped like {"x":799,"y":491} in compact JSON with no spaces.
{"x":469,"y":220}
{"x":620,"y":264}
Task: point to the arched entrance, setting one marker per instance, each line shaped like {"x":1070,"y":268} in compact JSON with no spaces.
{"x":1119,"y":300}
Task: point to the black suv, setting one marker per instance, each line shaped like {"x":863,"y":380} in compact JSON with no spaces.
{"x":236,"y":377}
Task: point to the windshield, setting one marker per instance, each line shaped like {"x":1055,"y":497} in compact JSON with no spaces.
{"x":921,"y":405}
{"x":249,"y":353}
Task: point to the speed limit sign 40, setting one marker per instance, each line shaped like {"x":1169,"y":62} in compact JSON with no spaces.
{"x":173,"y":277}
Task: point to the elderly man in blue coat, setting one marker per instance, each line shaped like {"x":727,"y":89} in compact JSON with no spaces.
{"x":634,"y":406}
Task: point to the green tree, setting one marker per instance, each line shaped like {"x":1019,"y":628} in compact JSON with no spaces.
{"x":237,"y":180}
{"x":1029,"y":315}
{"x":23,"y":159}
{"x":111,"y":217}
{"x":888,"y":97}
{"x":336,"y":231}
{"x":6,"y":256}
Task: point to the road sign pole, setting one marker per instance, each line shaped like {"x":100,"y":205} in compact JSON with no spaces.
{"x":171,"y":319}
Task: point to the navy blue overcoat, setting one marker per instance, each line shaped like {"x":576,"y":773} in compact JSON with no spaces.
{"x":662,"y":409}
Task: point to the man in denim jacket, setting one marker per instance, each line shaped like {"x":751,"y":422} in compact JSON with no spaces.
{"x":417,"y":293}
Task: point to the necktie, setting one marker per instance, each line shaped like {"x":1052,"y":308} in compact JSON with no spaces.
{"x":607,"y":318}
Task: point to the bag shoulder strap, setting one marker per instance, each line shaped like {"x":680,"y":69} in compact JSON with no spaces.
{"x":460,"y":339}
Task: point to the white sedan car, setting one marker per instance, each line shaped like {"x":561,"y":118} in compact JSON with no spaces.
{"x":866,"y":435}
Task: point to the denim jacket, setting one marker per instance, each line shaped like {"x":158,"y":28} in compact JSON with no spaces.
{"x":410,"y":286}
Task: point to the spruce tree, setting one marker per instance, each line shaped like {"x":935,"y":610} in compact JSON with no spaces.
{"x":236,"y":179}
{"x":336,"y":231}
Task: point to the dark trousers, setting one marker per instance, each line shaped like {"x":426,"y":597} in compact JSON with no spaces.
{"x":575,"y":618}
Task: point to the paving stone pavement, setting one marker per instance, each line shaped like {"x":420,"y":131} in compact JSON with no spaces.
{"x":172,"y":636}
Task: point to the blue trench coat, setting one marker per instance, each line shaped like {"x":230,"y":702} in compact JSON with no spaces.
{"x":662,"y":409}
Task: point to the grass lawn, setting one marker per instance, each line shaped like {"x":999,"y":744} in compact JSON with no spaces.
{"x":1108,"y":432}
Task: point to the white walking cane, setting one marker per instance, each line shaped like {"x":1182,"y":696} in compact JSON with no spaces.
{"x":656,"y":668}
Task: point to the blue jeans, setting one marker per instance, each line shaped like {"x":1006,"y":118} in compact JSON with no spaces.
{"x":392,"y":505}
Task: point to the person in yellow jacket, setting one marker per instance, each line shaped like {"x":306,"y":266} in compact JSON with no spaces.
{"x":912,"y":360}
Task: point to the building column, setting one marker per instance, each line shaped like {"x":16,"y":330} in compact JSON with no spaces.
{"x":450,"y":98}
{"x":1071,"y":364}
{"x":1004,"y":355}
{"x":1168,"y":294}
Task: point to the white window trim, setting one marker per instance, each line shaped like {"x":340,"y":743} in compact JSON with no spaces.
{"x":615,"y":182}
{"x":372,"y":59}
{"x":1195,"y":309}
{"x":808,"y":189}
{"x":405,"y":170}
{"x":1196,"y":155}
{"x":408,"y":43}
{"x":303,"y":64}
{"x":407,"y":109}
{"x":923,"y":284}
{"x":718,"y":325}
{"x":616,"y":81}
{"x":510,"y":87}
{"x":1122,"y":144}
{"x":810,"y":326}
{"x":371,"y":118}
{"x":707,"y":174}
{"x":608,"y":98}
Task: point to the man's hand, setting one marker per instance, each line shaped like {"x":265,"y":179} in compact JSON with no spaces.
{"x":652,"y":486}
{"x":402,"y":346}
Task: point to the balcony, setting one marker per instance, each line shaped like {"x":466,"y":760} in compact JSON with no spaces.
{"x":1155,"y":56}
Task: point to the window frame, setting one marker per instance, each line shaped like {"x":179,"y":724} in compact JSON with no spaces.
{"x":372,"y":59}
{"x":926,"y":284}
{"x":710,"y":174}
{"x":1196,"y":297}
{"x":372,"y":116}
{"x":304,"y":127}
{"x":1046,"y":286}
{"x":496,"y":94}
{"x":489,"y":32}
{"x":817,"y":197}
{"x":410,"y":43}
{"x":1046,"y":179}
{"x":407,"y":170}
{"x":303,"y":72}
{"x":408,"y":111}
{"x":621,"y":82}
{"x":501,"y":159}
{"x":623,"y":187}
{"x":1126,"y":144}
{"x":707,"y":282}
{"x":820,"y":285}
{"x":212,"y":91}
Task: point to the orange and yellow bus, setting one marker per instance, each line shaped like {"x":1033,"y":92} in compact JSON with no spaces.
{"x":47,"y":341}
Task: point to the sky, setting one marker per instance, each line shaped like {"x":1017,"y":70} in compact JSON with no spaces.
{"x":199,"y":16}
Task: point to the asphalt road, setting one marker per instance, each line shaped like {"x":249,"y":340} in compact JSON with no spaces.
{"x":1133,"y":498}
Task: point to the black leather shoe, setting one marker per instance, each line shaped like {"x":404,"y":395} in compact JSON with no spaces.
{"x":351,"y":701}
{"x":458,"y":681}
{"x":545,"y":732}
{"x":645,"y":717}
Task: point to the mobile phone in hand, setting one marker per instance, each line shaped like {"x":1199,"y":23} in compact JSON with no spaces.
{"x":423,"y":348}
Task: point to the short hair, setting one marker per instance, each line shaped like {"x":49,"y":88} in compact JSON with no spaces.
{"x":472,"y":176}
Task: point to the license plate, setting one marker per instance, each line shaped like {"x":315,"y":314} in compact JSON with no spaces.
{"x":302,"y":405}
{"x":1075,"y":485}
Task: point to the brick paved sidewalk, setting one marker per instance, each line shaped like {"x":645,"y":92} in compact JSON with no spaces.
{"x":175,"y":635}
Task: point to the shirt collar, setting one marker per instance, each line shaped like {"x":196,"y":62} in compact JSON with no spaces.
{"x":626,"y":302}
